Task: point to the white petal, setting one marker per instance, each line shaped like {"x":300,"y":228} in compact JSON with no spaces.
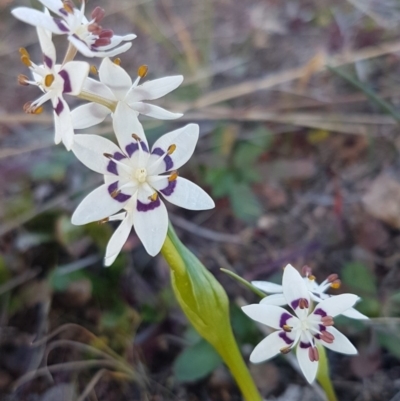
{"x":274,"y":299}
{"x":118,"y":240}
{"x":155,"y":89}
{"x":63,"y":122}
{"x":115,"y":77}
{"x":126,"y":123}
{"x":183,"y":193}
{"x":77,"y":72}
{"x":294,"y":288}
{"x":90,"y":149}
{"x":185,"y":140}
{"x":340,"y":344}
{"x":308,"y":368}
{"x":268,"y":287}
{"x":154,"y":111}
{"x":270,"y":315}
{"x":118,"y":39}
{"x":151,"y":227}
{"x":99,"y":89}
{"x":81,"y":46}
{"x":96,"y":206}
{"x":88,"y":115}
{"x":101,"y":52}
{"x":336,"y":305}
{"x":354,"y":314}
{"x":47,"y":46}
{"x":37,"y":18}
{"x":53,"y":5}
{"x":268,"y":348}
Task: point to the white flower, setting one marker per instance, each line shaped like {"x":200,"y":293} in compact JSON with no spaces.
{"x":116,"y":88}
{"x":304,"y":330}
{"x":316,"y":292}
{"x":55,"y":81}
{"x":133,"y":183}
{"x":88,"y":37}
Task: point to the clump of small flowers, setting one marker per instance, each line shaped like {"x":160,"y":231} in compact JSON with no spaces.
{"x":305,"y":326}
{"x":135,"y":176}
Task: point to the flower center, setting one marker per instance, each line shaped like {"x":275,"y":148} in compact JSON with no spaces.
{"x":141,"y":175}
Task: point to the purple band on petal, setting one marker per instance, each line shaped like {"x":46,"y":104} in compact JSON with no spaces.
{"x":285,"y":337}
{"x":320,"y":312}
{"x":145,"y":207}
{"x":63,"y":11}
{"x":59,"y":108}
{"x":295,"y":303}
{"x":120,"y":197}
{"x":169,"y":164}
{"x":112,"y":167}
{"x":304,"y":345}
{"x":131,"y":148}
{"x":167,"y":191}
{"x":48,"y":61}
{"x":321,"y":327}
{"x":144,"y":147}
{"x":317,"y":336}
{"x":67,"y":83}
{"x":284,"y":318}
{"x":60,"y":24}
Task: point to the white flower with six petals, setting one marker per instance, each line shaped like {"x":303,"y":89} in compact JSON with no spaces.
{"x":133,"y":182}
{"x":116,"y":88}
{"x":55,"y":80}
{"x":316,"y":291}
{"x":88,"y":37}
{"x":305,"y":329}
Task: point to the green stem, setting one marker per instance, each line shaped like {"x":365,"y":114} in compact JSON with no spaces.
{"x":206,"y":305}
{"x":323,"y":375}
{"x":91,"y":97}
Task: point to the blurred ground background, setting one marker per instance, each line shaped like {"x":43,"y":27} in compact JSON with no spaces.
{"x":304,"y":167}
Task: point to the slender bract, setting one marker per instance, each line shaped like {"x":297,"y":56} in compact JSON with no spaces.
{"x":206,"y":305}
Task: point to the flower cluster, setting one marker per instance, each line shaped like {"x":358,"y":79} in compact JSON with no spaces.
{"x":309,"y":326}
{"x":134,"y":175}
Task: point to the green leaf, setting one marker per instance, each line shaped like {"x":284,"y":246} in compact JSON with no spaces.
{"x":358,"y":277}
{"x":390,"y":341}
{"x":244,"y":203}
{"x":196,"y":362}
{"x":246,"y":154}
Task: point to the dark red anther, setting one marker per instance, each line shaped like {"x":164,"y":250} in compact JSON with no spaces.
{"x":95,"y":29}
{"x":313,"y":354}
{"x":102,"y":42}
{"x":327,"y":337}
{"x":306,"y":270}
{"x":98,"y":14}
{"x":106,"y":33}
{"x":303,"y":303}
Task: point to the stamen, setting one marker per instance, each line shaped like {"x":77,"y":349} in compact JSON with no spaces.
{"x":102,"y":221}
{"x":153,"y":197}
{"x":287,"y":328}
{"x":327,"y":337}
{"x":313,"y":354}
{"x":117,"y":61}
{"x":306,"y":270}
{"x":68,"y":6}
{"x":26,"y":60}
{"x":311,"y":277}
{"x":94,"y":70}
{"x":136,"y":137}
{"x":327,"y":321}
{"x":285,"y":350}
{"x":331,"y":278}
{"x":142,"y":71}
{"x":171,"y":149}
{"x":23,"y":52}
{"x":98,"y":14}
{"x":48,"y":80}
{"x":29,"y":109}
{"x":303,"y":303}
{"x":94,"y":28}
{"x":115,"y":193}
{"x":123,"y":165}
{"x":336,"y":284}
{"x":173,"y":176}
{"x":23,"y":80}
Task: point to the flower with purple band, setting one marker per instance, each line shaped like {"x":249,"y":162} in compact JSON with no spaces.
{"x":88,"y":37}
{"x":316,"y":292}
{"x":133,"y":182}
{"x":116,"y":87}
{"x":55,"y":81}
{"x":305,"y":329}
